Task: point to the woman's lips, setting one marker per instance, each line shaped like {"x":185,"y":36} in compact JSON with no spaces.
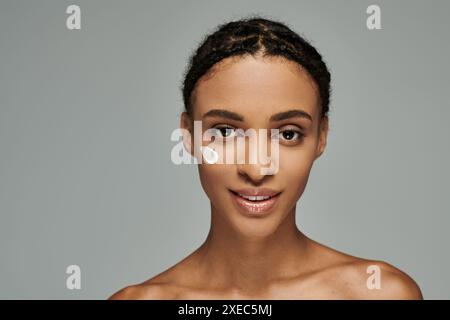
{"x":255,"y":201}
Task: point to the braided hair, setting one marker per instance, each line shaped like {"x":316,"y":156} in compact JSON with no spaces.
{"x":252,"y":36}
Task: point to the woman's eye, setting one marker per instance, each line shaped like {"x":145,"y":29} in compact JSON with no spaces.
{"x":290,"y":136}
{"x":225,"y":132}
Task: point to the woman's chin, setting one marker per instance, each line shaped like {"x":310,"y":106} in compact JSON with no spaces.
{"x":253,"y":228}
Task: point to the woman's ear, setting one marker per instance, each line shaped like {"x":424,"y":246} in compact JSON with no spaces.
{"x":323,"y":134}
{"x":186,"y":127}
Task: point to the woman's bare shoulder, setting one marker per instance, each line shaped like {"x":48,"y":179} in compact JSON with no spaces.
{"x":162,"y":286}
{"x":144,"y":291}
{"x":359,"y":278}
{"x":375,"y":279}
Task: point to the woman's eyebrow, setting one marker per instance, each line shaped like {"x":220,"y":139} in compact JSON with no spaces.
{"x":223,"y":114}
{"x":290,"y":114}
{"x":294,"y":113}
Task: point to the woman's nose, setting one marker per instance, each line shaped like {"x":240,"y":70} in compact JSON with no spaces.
{"x":253,"y":160}
{"x":251,"y":172}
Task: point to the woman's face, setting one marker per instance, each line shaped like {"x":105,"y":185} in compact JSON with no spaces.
{"x":257,"y":92}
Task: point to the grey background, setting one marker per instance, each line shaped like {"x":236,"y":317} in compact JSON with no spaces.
{"x":86,"y":117}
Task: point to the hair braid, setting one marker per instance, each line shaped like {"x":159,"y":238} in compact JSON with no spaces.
{"x":251,"y":36}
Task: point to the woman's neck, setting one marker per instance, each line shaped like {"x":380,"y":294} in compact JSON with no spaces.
{"x":251,"y":261}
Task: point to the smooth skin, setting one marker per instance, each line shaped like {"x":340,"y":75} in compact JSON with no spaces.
{"x":265,"y":257}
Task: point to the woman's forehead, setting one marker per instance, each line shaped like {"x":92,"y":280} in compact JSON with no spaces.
{"x":251,"y":85}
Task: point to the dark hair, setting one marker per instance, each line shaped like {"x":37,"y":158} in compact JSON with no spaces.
{"x":250,"y":36}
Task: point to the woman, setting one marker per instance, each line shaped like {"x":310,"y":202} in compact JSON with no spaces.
{"x":259,"y":74}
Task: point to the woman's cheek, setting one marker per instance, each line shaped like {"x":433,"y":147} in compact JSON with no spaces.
{"x":295,"y":167}
{"x":213,"y":179}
